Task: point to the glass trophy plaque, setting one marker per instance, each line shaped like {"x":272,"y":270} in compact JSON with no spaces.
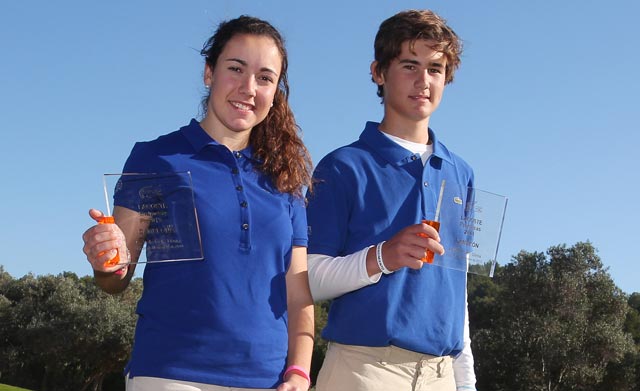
{"x":470,"y":225}
{"x":166,"y":222}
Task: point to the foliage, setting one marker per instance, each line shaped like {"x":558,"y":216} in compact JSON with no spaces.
{"x":321,"y":311}
{"x":62,"y":333}
{"x":4,"y":387}
{"x":551,"y":323}
{"x":545,"y":322}
{"x":632,"y":323}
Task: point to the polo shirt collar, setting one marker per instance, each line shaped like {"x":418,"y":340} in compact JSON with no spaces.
{"x":199,"y":139}
{"x":393,"y":152}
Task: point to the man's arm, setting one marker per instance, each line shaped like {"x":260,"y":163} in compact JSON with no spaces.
{"x":330,"y":277}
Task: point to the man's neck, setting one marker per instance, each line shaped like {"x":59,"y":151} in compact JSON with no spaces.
{"x":417,"y":132}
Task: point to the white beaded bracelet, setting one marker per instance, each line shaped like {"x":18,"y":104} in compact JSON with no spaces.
{"x":381,"y":265}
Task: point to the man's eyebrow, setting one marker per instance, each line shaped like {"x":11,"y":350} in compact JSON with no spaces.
{"x":244,"y":63}
{"x":436,"y":63}
{"x":409,"y":61}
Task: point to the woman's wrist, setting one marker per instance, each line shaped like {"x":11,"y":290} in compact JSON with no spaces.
{"x":120,"y":273}
{"x":298,"y":370}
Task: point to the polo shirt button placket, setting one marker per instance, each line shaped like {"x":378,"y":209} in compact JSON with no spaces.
{"x":245,"y":240}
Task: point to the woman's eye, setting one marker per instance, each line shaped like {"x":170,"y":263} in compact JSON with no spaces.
{"x":267,"y":79}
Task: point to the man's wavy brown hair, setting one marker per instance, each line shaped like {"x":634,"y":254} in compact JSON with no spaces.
{"x":276,"y":140}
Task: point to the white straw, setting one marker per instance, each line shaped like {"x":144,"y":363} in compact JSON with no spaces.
{"x":106,"y":193}
{"x":437,"y":217}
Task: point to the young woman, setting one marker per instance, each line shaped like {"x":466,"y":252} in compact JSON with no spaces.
{"x":243,"y":317}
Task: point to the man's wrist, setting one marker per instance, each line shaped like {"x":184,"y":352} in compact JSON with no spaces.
{"x":379,"y":259}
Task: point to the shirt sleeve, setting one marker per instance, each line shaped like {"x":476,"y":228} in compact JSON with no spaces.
{"x":330,"y":277}
{"x":128,"y":188}
{"x":463,"y":363}
{"x":328,"y":210}
{"x":299,"y":222}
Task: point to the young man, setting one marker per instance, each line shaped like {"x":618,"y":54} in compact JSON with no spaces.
{"x":393,"y":324}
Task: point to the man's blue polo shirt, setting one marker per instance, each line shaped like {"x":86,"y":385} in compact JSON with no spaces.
{"x":366,"y":192}
{"x":223,"y":320}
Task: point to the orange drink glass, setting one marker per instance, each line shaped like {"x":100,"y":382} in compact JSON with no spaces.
{"x":115,"y":260}
{"x":436,"y":225}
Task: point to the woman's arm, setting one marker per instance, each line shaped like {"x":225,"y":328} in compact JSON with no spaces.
{"x":300,"y":309}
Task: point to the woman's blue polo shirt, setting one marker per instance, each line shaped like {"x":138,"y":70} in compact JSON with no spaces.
{"x":222,"y":320}
{"x":365,"y":193}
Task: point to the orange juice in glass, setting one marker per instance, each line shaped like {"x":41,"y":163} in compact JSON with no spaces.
{"x":435,"y":223}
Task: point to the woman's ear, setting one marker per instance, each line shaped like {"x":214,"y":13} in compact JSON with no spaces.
{"x":208,"y":75}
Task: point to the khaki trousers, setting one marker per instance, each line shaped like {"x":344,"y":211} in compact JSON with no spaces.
{"x":143,"y":383}
{"x":363,"y":368}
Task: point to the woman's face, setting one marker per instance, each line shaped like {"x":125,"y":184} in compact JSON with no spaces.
{"x":243,"y":83}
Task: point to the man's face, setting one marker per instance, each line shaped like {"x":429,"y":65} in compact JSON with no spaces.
{"x":413,"y":83}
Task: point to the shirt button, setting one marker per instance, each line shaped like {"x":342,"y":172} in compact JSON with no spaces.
{"x":238,"y":155}
{"x":413,"y":157}
{"x":426,"y":184}
{"x":239,"y":187}
{"x":245,"y":226}
{"x":243,"y":204}
{"x":234,"y":171}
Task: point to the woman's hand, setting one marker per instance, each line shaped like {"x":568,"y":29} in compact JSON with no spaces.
{"x":294,"y":382}
{"x":103,"y":242}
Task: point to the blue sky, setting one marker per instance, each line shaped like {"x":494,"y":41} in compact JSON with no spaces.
{"x":543,"y":107}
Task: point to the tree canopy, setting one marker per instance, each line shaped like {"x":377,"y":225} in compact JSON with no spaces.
{"x":62,"y":333}
{"x":553,"y":321}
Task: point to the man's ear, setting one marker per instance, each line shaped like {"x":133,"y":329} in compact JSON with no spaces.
{"x":378,"y":78}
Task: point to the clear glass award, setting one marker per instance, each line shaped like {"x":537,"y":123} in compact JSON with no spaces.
{"x":469,"y":222}
{"x":166,"y":218}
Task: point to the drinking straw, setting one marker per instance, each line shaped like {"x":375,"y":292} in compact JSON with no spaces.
{"x":437,"y":216}
{"x":106,"y":193}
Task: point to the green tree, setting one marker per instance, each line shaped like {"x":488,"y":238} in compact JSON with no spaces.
{"x":625,"y":375}
{"x":321,"y":310}
{"x":555,"y":323}
{"x":632,"y":323}
{"x":62,"y":333}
